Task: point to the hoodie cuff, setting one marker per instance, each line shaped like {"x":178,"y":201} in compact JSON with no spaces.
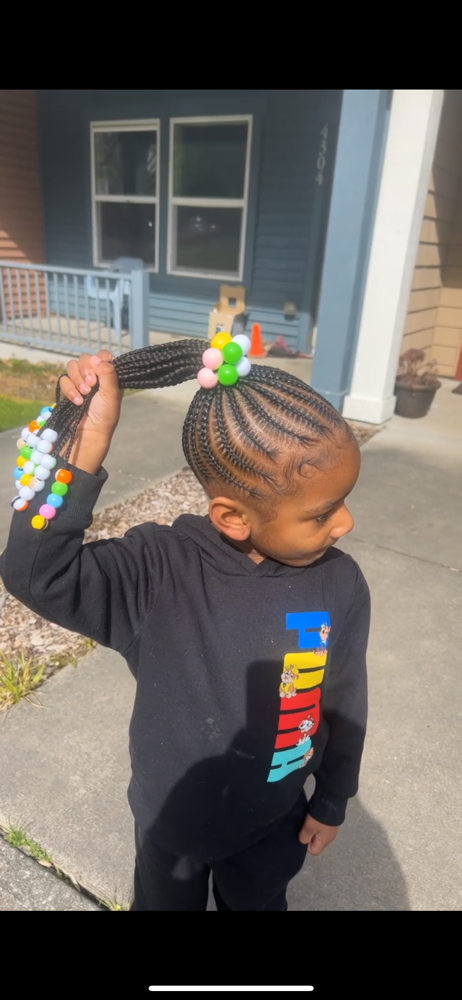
{"x":327,"y":808}
{"x":84,"y":491}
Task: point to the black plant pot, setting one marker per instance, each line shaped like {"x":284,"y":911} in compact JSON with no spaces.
{"x":414,"y":401}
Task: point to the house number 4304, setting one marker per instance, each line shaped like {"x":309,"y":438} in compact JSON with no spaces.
{"x":321,"y":161}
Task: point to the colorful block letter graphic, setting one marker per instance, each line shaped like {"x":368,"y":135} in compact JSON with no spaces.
{"x":300,"y":693}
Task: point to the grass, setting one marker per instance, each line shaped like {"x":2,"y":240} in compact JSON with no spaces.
{"x":29,"y":381}
{"x":18,"y":838}
{"x":16,"y":412}
{"x":113,"y":904}
{"x":18,"y":678}
{"x":20,"y":675}
{"x":26,"y":387}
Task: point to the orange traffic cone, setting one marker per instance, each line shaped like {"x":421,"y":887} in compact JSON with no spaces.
{"x":256,"y":343}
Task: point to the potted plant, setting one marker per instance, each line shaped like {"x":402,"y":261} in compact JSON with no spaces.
{"x":416,"y":384}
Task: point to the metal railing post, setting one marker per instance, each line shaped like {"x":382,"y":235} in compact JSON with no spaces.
{"x":139,"y":333}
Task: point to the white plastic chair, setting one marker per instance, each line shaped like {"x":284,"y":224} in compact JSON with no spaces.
{"x":95,"y":290}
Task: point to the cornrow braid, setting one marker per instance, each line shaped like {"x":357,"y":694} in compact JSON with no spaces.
{"x":238,"y":437}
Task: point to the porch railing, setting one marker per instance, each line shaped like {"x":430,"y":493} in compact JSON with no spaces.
{"x":73,"y":310}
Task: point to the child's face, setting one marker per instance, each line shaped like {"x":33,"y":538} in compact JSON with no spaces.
{"x":306,"y":524}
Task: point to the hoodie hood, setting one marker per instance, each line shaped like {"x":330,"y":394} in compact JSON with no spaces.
{"x":218,"y":551}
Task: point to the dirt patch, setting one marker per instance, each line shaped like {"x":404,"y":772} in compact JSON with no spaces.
{"x":24,"y":380}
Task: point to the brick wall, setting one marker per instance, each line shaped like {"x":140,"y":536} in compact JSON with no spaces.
{"x":21,"y":220}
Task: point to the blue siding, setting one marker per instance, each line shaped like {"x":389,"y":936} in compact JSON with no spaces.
{"x":361,"y":150}
{"x":287,"y":209}
{"x":288,"y":192}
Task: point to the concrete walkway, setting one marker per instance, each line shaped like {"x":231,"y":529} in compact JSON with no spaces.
{"x":25,"y":885}
{"x":65,"y":766}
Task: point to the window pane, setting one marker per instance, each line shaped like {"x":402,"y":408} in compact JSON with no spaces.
{"x":208,"y":239}
{"x":126,"y":162}
{"x":127,"y":231}
{"x":209,"y":160}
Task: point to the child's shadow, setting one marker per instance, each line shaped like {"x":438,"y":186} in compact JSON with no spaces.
{"x":358,"y":872}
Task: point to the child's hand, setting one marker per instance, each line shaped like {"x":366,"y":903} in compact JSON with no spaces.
{"x":316,"y":835}
{"x":95,"y":430}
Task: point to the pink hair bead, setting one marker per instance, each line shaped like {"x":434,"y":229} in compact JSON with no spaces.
{"x":212,"y":358}
{"x":207,"y":378}
{"x":46,"y":510}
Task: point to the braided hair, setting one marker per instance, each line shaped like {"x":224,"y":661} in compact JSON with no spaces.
{"x":248,"y":439}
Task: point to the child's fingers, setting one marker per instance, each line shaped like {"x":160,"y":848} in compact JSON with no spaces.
{"x":82,"y":375}
{"x":105,"y":371}
{"x":69,"y":384}
{"x":87,"y":372}
{"x":316,"y":845}
{"x":102,"y":356}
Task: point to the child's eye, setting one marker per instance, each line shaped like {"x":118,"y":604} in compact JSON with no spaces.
{"x":324,"y":517}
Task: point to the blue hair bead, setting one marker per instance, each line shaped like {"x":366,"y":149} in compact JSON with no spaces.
{"x":53,"y":500}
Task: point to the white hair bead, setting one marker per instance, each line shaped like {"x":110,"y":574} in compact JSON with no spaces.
{"x":26,"y":493}
{"x":19,"y":504}
{"x":243,"y":341}
{"x":48,"y":462}
{"x":243,"y":367}
{"x":49,"y":435}
{"x":36,"y":484}
{"x":44,"y":447}
{"x":42,"y":473}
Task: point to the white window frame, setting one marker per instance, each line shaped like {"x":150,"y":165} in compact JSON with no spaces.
{"x":208,"y":202}
{"x":135,"y":125}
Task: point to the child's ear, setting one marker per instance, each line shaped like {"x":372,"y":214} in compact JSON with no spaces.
{"x":230,"y":518}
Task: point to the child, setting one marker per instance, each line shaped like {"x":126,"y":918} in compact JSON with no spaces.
{"x":245,"y":630}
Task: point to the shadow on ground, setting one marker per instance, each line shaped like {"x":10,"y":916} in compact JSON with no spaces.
{"x":358,"y":872}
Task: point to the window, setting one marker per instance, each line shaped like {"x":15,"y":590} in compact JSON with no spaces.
{"x":208,"y":190}
{"x":125,"y":186}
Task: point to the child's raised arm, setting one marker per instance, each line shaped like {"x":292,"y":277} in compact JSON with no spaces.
{"x":105,"y":589}
{"x":94,"y":433}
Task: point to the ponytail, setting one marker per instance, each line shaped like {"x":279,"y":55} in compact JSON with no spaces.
{"x":242,"y":437}
{"x":147,"y":368}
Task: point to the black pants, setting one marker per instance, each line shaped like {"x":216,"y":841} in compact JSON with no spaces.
{"x":255,"y":879}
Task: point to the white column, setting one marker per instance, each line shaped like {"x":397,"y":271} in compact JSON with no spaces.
{"x":410,"y":147}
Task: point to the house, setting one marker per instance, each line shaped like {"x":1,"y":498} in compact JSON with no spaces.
{"x":337,"y":211}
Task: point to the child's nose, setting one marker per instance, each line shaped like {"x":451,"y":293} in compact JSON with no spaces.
{"x":344,"y":524}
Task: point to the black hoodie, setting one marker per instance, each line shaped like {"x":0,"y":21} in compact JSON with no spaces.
{"x":249,"y":676}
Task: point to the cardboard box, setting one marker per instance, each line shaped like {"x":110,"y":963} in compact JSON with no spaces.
{"x":232,"y":302}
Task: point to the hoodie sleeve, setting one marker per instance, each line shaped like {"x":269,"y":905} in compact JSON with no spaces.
{"x":103,"y":589}
{"x":345,"y":711}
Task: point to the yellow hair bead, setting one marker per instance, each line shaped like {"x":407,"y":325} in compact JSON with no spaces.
{"x":220,"y":339}
{"x":25,"y":479}
{"x":38,"y":522}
